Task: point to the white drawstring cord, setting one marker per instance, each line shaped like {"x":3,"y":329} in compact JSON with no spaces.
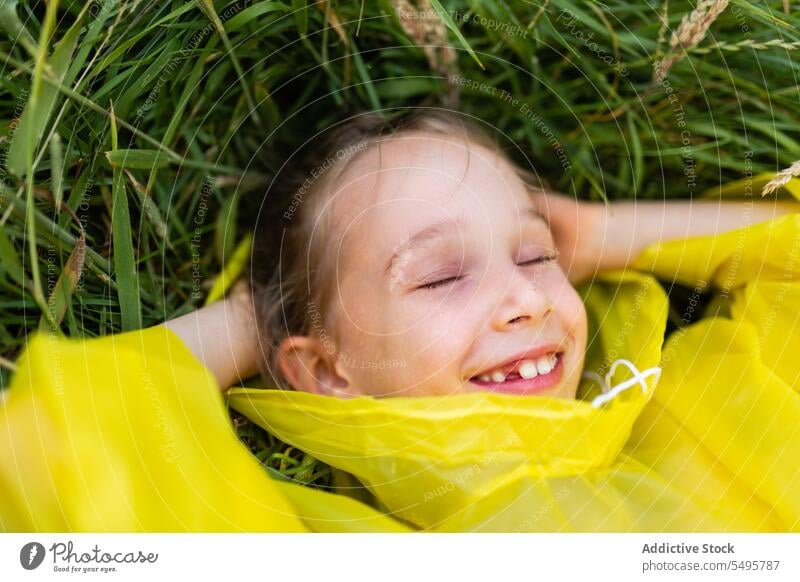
{"x":610,"y":393}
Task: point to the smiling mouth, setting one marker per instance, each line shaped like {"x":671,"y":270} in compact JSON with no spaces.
{"x":524,"y":376}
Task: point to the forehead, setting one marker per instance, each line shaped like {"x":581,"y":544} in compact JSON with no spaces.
{"x":411,"y":178}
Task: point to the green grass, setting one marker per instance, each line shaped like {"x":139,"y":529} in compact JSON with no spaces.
{"x":166,"y":121}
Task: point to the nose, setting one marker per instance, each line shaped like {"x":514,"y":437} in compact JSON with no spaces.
{"x":522,"y":302}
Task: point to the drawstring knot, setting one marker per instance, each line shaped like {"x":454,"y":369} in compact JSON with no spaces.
{"x":611,"y":392}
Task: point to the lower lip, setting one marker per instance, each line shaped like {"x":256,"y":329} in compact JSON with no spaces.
{"x":540,"y":383}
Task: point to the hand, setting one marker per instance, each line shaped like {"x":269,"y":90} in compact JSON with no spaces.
{"x":576,"y":228}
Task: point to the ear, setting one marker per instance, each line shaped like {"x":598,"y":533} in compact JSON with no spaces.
{"x":309,"y":367}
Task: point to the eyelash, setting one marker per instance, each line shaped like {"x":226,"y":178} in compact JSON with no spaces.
{"x":436,"y":284}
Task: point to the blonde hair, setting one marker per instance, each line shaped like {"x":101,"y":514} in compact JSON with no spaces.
{"x":291,"y":276}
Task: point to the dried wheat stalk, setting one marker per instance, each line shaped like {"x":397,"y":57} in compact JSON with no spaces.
{"x":690,"y":32}
{"x":429,"y":32}
{"x":781,"y":178}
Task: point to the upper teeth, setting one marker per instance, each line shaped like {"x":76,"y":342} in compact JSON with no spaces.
{"x":527,"y":369}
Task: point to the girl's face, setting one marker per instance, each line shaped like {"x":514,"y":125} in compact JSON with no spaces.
{"x":446,"y":281}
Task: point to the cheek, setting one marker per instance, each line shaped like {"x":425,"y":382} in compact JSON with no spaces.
{"x":362,"y":306}
{"x":432,"y":344}
{"x":569,"y":306}
{"x":404,"y":342}
{"x":442,"y":350}
{"x":576,"y":316}
{"x":424,"y":339}
{"x":403,"y":365}
{"x":357,"y":329}
{"x":430,"y":338}
{"x":435,"y":313}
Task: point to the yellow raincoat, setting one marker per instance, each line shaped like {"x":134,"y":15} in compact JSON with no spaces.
{"x":130,"y":433}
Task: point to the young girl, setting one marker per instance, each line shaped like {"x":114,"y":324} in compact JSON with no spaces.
{"x":419,"y":260}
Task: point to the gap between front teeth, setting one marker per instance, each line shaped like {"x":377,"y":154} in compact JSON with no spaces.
{"x":527,"y":369}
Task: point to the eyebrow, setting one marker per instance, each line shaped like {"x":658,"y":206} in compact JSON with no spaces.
{"x":443,"y":227}
{"x":533,"y":213}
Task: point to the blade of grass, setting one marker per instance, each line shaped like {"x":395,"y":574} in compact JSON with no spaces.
{"x":97,"y":262}
{"x":231,"y":271}
{"x":207,"y":6}
{"x":361,"y":68}
{"x":151,"y":211}
{"x":43,"y":97}
{"x":9,"y":260}
{"x":234,"y":23}
{"x":11,"y":23}
{"x":445,"y":16}
{"x":122,"y":47}
{"x":57,"y":170}
{"x":25,"y":144}
{"x":225,"y":228}
{"x":638,"y":157}
{"x":65,"y":286}
{"x":137,"y":159}
{"x":122,"y":237}
{"x":76,"y":64}
{"x":300,"y":13}
{"x":174,"y":156}
{"x":189,"y":92}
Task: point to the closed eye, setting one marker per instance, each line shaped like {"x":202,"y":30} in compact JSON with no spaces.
{"x":538,"y":260}
{"x":448,"y":280}
{"x":441,"y":282}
